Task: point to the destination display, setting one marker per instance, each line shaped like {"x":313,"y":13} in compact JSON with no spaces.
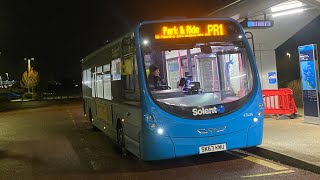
{"x":259,"y":23}
{"x":176,"y":31}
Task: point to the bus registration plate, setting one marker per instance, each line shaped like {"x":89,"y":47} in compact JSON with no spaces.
{"x":212,"y":148}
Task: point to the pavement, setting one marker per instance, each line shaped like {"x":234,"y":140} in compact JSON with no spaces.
{"x":288,"y":141}
{"x":292,"y":142}
{"x":27,"y":104}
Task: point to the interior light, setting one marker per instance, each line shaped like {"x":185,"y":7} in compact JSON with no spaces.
{"x":288,"y":54}
{"x":286,"y":6}
{"x":160,"y":131}
{"x":145,"y":42}
{"x":287,"y":12}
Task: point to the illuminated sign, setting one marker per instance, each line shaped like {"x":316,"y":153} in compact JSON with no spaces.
{"x":259,"y":23}
{"x":182,"y":31}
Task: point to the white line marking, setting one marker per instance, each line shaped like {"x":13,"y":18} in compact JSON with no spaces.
{"x":268,"y":174}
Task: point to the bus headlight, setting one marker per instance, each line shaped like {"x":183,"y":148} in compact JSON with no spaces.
{"x":153,"y":124}
{"x":160,"y":131}
{"x":255,"y":119}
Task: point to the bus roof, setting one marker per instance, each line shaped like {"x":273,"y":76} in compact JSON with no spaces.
{"x":94,"y":53}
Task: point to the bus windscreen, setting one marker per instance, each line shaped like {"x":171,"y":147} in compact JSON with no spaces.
{"x":201,"y":74}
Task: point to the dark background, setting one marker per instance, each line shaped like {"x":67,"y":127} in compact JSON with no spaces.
{"x":289,"y":68}
{"x":58,"y":34}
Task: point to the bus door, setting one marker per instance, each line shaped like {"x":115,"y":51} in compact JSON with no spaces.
{"x":131,"y":108}
{"x":208,"y":73}
{"x":173,"y":73}
{"x":221,"y":74}
{"x":177,"y":67}
{"x":231,"y":68}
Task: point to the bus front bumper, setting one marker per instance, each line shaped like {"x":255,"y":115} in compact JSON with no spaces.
{"x":157,"y":147}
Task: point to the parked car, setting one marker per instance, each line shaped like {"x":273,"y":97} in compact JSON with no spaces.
{"x":9,"y":96}
{"x":49,"y":93}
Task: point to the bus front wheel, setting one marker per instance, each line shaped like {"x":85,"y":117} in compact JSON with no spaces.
{"x":120,"y":139}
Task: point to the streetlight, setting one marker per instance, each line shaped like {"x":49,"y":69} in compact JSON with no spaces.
{"x":7,"y":76}
{"x":289,"y":56}
{"x":29,"y":65}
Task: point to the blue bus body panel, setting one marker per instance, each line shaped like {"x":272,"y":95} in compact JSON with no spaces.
{"x":255,"y":133}
{"x":186,"y":146}
{"x":236,"y":121}
{"x":240,"y":132}
{"x":181,"y":136}
{"x":156,"y":147}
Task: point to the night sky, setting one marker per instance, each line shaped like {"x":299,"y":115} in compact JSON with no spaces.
{"x":58,"y":34}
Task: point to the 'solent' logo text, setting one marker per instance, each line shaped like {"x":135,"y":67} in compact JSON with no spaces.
{"x":204,"y":111}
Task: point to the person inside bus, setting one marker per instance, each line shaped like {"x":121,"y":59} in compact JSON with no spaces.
{"x":181,"y":83}
{"x":154,"y":78}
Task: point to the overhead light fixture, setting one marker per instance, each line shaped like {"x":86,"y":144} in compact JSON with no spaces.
{"x":288,"y":54}
{"x":145,"y":42}
{"x":287,"y":12}
{"x":286,"y":6}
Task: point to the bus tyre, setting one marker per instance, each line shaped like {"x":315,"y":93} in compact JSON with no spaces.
{"x":121,"y":139}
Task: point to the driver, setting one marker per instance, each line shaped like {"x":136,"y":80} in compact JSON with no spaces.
{"x":154,"y":78}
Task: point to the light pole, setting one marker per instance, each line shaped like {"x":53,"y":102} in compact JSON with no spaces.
{"x":29,"y":68}
{"x":29,"y":65}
